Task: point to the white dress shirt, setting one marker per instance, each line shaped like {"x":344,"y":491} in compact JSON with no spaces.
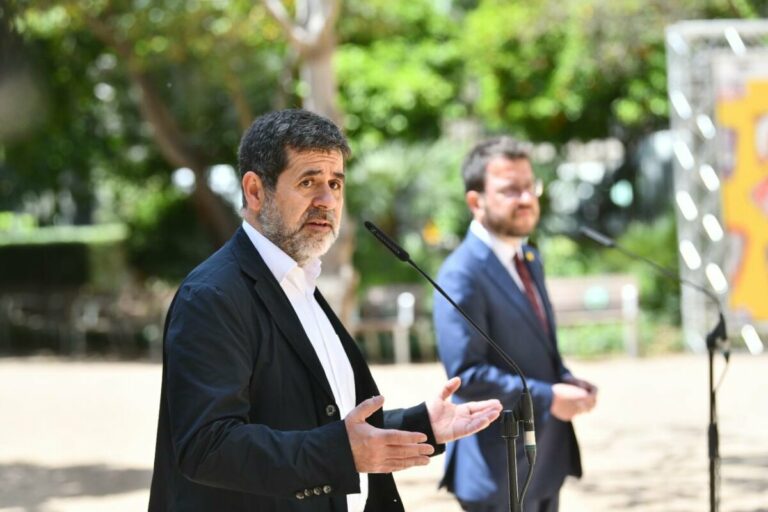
{"x":298,"y":283}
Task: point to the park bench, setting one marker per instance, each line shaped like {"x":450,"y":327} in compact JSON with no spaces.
{"x":394,"y":312}
{"x":597,"y":299}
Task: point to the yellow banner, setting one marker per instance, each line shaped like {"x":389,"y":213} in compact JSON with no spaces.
{"x":744,"y":117}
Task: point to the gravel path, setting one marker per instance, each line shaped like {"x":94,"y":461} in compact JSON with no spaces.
{"x":79,"y":436}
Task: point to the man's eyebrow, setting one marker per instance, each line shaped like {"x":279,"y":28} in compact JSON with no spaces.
{"x":314,"y":172}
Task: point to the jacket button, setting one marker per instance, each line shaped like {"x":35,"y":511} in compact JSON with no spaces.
{"x":299,"y":495}
{"x":330,"y":410}
{"x":327,"y":489}
{"x":318,"y":491}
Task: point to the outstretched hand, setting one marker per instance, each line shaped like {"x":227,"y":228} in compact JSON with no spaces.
{"x":453,"y":421}
{"x":377,"y":450}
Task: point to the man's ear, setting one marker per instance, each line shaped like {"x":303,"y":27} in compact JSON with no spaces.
{"x":474,"y":201}
{"x":253,"y":192}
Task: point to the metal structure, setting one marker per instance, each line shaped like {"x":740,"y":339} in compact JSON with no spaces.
{"x":714,"y":68}
{"x":700,"y":155}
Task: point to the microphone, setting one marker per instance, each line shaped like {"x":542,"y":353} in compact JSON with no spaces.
{"x":719,"y":332}
{"x":597,"y":236}
{"x":525,"y":406}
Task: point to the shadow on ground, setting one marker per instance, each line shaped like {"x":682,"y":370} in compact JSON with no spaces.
{"x":29,"y":485}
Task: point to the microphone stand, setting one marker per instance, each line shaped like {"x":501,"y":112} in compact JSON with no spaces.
{"x":510,"y":420}
{"x":713,"y":436}
{"x":716,"y":338}
{"x":509,"y":432}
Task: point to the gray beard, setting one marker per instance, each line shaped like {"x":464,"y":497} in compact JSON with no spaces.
{"x":299,"y":245}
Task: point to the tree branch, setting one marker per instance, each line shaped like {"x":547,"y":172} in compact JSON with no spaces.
{"x":298,"y":36}
{"x":212,"y":213}
{"x":321,"y":16}
{"x":167,"y":134}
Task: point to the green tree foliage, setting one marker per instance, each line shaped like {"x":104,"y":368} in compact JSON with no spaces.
{"x":186,"y":67}
{"x":133,"y":89}
{"x":413,"y":192}
{"x":399,"y":70}
{"x":554,"y":70}
{"x":563,"y":70}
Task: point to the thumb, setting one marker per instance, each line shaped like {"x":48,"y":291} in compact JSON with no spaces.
{"x":366,"y":408}
{"x":450,"y":388}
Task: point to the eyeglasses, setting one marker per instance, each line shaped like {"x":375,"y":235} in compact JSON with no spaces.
{"x":535,"y":189}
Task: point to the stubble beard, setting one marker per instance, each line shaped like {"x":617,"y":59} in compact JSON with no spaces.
{"x":504,"y":226}
{"x":300,"y":245}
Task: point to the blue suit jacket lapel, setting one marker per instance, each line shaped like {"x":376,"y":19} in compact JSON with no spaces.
{"x":504,"y":283}
{"x":537,"y":274}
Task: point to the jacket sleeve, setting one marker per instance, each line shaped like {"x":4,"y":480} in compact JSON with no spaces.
{"x":413,"y":419}
{"x":209,"y":361}
{"x":466,"y":354}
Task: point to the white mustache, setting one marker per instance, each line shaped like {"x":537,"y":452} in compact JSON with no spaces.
{"x":320,"y":214}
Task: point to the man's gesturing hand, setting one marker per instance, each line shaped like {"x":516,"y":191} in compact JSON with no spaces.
{"x":453,"y":421}
{"x":377,"y":450}
{"x":568,"y":400}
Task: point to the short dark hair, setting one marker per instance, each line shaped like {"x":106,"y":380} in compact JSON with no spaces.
{"x":474,"y":166}
{"x":263,"y":148}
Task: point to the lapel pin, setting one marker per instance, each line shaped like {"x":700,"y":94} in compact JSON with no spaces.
{"x":529,"y":256}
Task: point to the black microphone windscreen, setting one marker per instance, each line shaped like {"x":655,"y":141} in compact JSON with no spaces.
{"x":398,"y":251}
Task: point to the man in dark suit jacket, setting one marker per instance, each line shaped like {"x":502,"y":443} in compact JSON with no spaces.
{"x":499,"y":281}
{"x":266,"y":401}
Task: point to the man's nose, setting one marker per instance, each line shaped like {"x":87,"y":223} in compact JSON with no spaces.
{"x":326,"y":197}
{"x":526,"y":196}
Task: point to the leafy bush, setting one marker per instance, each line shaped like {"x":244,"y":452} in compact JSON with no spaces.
{"x":415,"y":194}
{"x":655,"y":336}
{"x":165,"y":239}
{"x":63,"y":256}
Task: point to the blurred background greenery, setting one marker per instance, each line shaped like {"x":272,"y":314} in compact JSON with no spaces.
{"x":128,"y":113}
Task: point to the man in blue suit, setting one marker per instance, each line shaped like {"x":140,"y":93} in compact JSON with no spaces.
{"x":499,"y":281}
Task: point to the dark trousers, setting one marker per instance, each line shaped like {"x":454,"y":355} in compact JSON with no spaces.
{"x":550,"y":504}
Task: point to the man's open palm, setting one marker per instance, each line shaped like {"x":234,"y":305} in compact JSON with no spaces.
{"x":453,"y":421}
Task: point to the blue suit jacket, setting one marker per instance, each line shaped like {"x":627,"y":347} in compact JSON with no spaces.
{"x":476,"y":467}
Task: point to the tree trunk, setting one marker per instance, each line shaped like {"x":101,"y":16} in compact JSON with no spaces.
{"x":312,"y":37}
{"x":318,"y":73}
{"x":216,"y":217}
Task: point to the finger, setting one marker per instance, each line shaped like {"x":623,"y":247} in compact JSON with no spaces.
{"x":591,"y":388}
{"x":450,"y":388}
{"x":409,"y":451}
{"x":401,"y":437}
{"x":392,"y":465}
{"x":489,"y":414}
{"x":484,"y":406}
{"x":366,"y":408}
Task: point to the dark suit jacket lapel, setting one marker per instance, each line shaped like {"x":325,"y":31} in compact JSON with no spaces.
{"x":500,"y":277}
{"x":365,"y":386}
{"x":279,"y":306}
